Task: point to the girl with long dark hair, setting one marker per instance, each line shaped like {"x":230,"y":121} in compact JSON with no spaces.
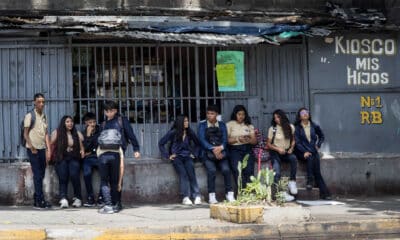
{"x":184,"y":148}
{"x":69,"y":151}
{"x":281,"y":144}
{"x":241,"y":138}
{"x":309,"y":138}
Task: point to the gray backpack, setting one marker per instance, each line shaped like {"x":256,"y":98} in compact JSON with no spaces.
{"x":110,"y":139}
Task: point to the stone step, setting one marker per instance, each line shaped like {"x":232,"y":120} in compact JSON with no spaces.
{"x":304,"y":194}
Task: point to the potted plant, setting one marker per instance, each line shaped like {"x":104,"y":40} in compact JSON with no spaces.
{"x":251,"y":200}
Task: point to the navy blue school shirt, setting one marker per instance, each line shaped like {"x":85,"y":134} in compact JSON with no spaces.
{"x":127,"y":131}
{"x":180,"y":148}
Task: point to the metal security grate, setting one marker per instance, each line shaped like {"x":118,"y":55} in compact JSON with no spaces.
{"x":152,"y":84}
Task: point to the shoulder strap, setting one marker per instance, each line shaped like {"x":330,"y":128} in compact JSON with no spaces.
{"x":273,"y":134}
{"x":33,"y":118}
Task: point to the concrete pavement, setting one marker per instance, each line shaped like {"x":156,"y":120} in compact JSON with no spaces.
{"x":358,"y":218}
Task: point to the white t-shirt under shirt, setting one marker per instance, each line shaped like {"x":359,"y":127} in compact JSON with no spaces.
{"x":280,"y":140}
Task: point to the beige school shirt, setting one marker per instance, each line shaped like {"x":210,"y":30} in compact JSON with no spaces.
{"x":307,"y":131}
{"x":37,"y":134}
{"x":280,"y":140}
{"x":236,"y":129}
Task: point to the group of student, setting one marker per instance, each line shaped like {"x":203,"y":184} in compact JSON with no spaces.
{"x":218,"y":145}
{"x":222,"y":146}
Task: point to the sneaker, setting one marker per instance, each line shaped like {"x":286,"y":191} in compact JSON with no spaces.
{"x":186,"y":201}
{"x":117,"y":207}
{"x":327,"y":197}
{"x":100,"y":202}
{"x":41,"y":205}
{"x":64,"y":203}
{"x":76,"y":202}
{"x":212,"y":199}
{"x":292,"y":187}
{"x":230,"y":197}
{"x":106,"y":210}
{"x":89,"y":202}
{"x":288,"y":197}
{"x":197,"y":200}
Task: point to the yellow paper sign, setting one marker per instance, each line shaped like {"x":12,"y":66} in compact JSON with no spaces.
{"x":226,"y":75}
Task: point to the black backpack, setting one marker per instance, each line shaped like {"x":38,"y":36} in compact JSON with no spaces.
{"x":22,"y":128}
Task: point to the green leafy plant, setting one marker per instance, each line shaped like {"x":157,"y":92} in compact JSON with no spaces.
{"x":259,"y":188}
{"x":281,"y":187}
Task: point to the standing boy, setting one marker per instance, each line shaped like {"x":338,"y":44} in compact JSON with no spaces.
{"x":38,"y":147}
{"x":116,"y":133}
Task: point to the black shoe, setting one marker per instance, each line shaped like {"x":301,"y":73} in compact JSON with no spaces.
{"x":117,"y":207}
{"x":309,"y":184}
{"x":42,"y":205}
{"x":90,"y":202}
{"x":327,"y":197}
{"x":100,"y":202}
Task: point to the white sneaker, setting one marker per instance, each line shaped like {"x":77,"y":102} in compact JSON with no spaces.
{"x":292,"y":187}
{"x":186,"y":201}
{"x":77,"y":202}
{"x":63,"y":203}
{"x":288,"y":197}
{"x":197,"y":200}
{"x":230,"y":197}
{"x":212,"y":199}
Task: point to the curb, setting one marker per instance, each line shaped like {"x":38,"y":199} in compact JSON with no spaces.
{"x":311,"y":230}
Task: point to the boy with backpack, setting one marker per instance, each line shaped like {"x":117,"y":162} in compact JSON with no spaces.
{"x":37,"y":142}
{"x":116,"y":133}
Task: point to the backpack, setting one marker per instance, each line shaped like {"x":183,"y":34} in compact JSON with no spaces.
{"x":111,"y":139}
{"x":22,"y":128}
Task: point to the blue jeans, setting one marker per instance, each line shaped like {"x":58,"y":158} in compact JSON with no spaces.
{"x":38,"y":165}
{"x":109,"y":164}
{"x":276,"y":159}
{"x":69,"y":169}
{"x":88,"y":164}
{"x":314,"y":169}
{"x":187,"y":176}
{"x":236,"y":155}
{"x":223,"y":166}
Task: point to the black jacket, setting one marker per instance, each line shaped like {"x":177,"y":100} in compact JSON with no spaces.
{"x":302,"y":143}
{"x":90,"y":142}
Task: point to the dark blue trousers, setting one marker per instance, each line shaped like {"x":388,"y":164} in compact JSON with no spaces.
{"x":314,"y":170}
{"x":89,"y":163}
{"x":69,"y":169}
{"x":236,"y":155}
{"x":187,"y":176}
{"x":109,"y":174}
{"x":223,"y":166}
{"x":38,"y":165}
{"x":276,"y":159}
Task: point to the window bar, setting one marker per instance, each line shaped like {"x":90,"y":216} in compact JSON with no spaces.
{"x":180,"y":80}
{"x":197,"y":81}
{"x":173,"y":79}
{"x":188,"y":83}
{"x":151,"y":86}
{"x":126,"y":80}
{"x":158,"y":86}
{"x":87,"y":83}
{"x":110,"y":75}
{"x":80,"y":82}
{"x":135,"y":83}
{"x":103,"y":68}
{"x":95,"y":84}
{"x":143,"y":79}
{"x":213,"y":74}
{"x":205,"y":76}
{"x":119,"y":80}
{"x":166,"y":85}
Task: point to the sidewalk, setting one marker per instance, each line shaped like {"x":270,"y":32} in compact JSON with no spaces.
{"x":369,"y":218}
